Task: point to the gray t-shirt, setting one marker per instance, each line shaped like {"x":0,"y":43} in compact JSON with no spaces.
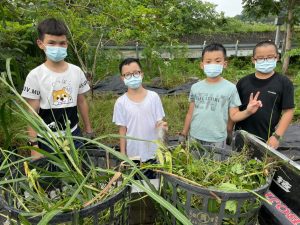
{"x":140,"y":119}
{"x":212,"y":103}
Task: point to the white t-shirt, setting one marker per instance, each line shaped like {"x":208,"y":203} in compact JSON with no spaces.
{"x":140,"y":119}
{"x":57,"y":93}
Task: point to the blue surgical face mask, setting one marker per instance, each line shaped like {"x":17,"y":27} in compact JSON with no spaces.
{"x":55,"y":53}
{"x":266,"y":66}
{"x":213,"y":70}
{"x":133,"y":82}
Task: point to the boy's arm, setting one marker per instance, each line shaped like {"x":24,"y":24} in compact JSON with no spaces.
{"x":283,"y":124}
{"x":122,"y":132}
{"x":188,"y":119}
{"x":84,"y":112}
{"x":253,"y":105}
{"x":230,"y":125}
{"x":32,"y":135}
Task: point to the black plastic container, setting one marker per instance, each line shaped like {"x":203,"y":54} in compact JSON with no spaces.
{"x":183,"y":195}
{"x":114,"y":208}
{"x":206,"y":206}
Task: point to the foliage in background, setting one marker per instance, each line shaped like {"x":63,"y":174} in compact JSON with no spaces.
{"x":287,"y":9}
{"x":297,"y":97}
{"x":234,"y":25}
{"x":17,"y":41}
{"x":296,"y":53}
{"x":94,"y":24}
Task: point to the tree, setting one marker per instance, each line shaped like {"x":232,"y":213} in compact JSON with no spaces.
{"x":290,"y":10}
{"x":93,"y":24}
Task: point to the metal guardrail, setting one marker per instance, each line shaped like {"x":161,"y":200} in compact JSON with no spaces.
{"x":193,"y":51}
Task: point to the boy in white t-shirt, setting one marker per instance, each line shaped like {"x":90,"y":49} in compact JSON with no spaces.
{"x":56,"y":88}
{"x":138,"y":113}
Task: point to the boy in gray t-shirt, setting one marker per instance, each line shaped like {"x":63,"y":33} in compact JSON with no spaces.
{"x":214,"y":100}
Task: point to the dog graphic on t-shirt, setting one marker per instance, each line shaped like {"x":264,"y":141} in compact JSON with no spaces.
{"x":61,"y":97}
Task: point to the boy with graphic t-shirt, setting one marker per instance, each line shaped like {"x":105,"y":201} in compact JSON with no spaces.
{"x":214,"y":100}
{"x":138,"y":113}
{"x":56,"y":88}
{"x":276,"y":93}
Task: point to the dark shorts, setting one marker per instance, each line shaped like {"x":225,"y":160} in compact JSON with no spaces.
{"x":77,"y":143}
{"x":150,"y":174}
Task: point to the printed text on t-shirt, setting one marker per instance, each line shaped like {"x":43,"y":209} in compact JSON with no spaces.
{"x":206,"y":101}
{"x":32,"y":91}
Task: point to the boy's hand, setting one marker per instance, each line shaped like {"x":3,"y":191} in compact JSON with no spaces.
{"x":253,"y":104}
{"x":273,"y":142}
{"x":229,"y":138}
{"x":162,"y":124}
{"x":181,"y":138}
{"x":162,"y":129}
{"x":89,"y":135}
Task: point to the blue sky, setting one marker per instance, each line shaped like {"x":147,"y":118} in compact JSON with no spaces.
{"x":229,"y":7}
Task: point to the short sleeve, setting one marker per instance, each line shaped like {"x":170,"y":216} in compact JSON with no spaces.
{"x":192,"y":95}
{"x":238,"y":86}
{"x":84,"y":85}
{"x":234,"y":100}
{"x":288,"y":94}
{"x":118,"y":115}
{"x":159,"y":110}
{"x":31,"y":89}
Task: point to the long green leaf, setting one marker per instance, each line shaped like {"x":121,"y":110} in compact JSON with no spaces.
{"x":48,"y":216}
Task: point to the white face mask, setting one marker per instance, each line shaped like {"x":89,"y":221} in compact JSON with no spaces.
{"x":133,"y":82}
{"x":213,"y":70}
{"x":266,"y":66}
{"x":56,"y":53}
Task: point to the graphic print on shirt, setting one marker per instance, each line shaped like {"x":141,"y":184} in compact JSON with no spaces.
{"x":62,"y":95}
{"x":208,"y":101}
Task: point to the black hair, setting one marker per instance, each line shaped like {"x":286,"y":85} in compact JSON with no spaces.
{"x":128,"y":61}
{"x":214,"y":47}
{"x":265,"y":43}
{"x":51,"y":26}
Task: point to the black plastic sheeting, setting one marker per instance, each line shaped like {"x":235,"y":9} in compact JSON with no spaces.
{"x":290,"y":145}
{"x":114,"y":84}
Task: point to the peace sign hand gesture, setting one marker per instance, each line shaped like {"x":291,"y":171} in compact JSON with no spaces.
{"x":253,"y":104}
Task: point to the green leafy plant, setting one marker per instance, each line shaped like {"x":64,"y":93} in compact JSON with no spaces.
{"x":200,"y":167}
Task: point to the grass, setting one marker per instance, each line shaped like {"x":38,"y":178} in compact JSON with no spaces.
{"x":173,"y":73}
{"x":101,"y":112}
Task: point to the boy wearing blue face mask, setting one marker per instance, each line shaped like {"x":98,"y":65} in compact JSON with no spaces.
{"x":56,"y":88}
{"x":276,"y":92}
{"x":214,"y":100}
{"x":138,"y":113}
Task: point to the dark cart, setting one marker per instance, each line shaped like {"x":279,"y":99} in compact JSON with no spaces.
{"x":284,"y":193}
